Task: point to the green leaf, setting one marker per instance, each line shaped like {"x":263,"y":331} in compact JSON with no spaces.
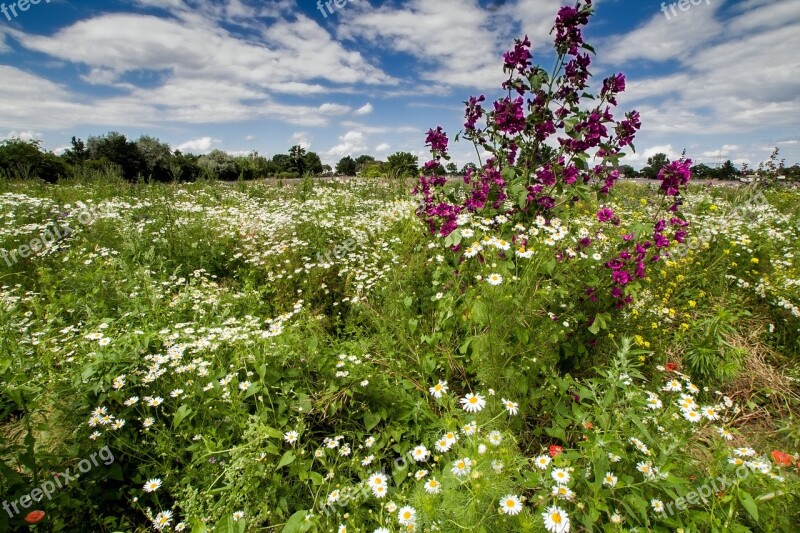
{"x":371,"y":420}
{"x":182,"y":412}
{"x":287,"y":459}
{"x":748,"y":503}
{"x":297,"y":523}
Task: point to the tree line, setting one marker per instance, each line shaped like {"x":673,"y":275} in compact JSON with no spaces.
{"x":725,"y":171}
{"x":149,"y":159}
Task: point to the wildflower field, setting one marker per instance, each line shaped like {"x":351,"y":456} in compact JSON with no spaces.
{"x":249,"y":375}
{"x":536,"y":346}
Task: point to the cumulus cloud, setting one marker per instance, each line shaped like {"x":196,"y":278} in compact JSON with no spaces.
{"x":365,"y":109}
{"x":199,"y":146}
{"x":383,"y":147}
{"x":302,"y":139}
{"x":351,"y":143}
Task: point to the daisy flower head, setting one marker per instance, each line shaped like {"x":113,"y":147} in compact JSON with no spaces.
{"x":379,"y":491}
{"x":433,"y":486}
{"x":710,"y":412}
{"x":291,"y":436}
{"x":420,"y":453}
{"x":443,"y":445}
{"x":376,"y":480}
{"x":692,"y":416}
{"x":162,"y":520}
{"x":407,"y":516}
{"x":238,"y":515}
{"x":152,"y":485}
{"x":510,"y":505}
{"x":744,"y":452}
{"x":560,"y":475}
{"x":673,"y":386}
{"x":658,"y":505}
{"x":725,"y":433}
{"x":511,"y":407}
{"x":473,"y":403}
{"x":555,"y":520}
{"x":470,"y":429}
{"x":645,"y":468}
{"x":494,"y":279}
{"x":542,"y":462}
{"x":495,"y":438}
{"x":419,"y":474}
{"x":438,"y":390}
{"x":563,"y":492}
{"x":462,"y":467}
{"x":610,"y":480}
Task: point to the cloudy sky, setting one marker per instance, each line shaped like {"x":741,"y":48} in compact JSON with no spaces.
{"x":720,"y":79}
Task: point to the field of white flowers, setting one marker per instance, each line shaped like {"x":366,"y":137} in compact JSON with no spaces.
{"x":309,"y":358}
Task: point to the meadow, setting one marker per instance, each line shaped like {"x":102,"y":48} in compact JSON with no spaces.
{"x":244,"y":370}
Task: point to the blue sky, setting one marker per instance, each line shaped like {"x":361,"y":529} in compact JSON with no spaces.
{"x":720,"y":79}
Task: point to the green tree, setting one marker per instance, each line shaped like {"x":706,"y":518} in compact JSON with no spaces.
{"x":157,"y":158}
{"x":654,"y":166}
{"x":115,"y":148}
{"x":727,"y":171}
{"x":312,"y":163}
{"x":77,"y":155}
{"x":702,"y":172}
{"x":403,"y":164}
{"x":346,"y":166}
{"x":298,"y":156}
{"x":21,"y":159}
{"x":627,"y":171}
{"x":451,"y":168}
{"x":362,"y":161}
{"x":218,"y":164}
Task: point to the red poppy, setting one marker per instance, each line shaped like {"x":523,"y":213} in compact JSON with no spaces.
{"x":671,"y":367}
{"x":782,"y":458}
{"x":556,"y":450}
{"x":34,"y":517}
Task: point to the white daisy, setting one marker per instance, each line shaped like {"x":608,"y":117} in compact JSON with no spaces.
{"x":556,"y":520}
{"x":473,"y":403}
{"x":510,"y":505}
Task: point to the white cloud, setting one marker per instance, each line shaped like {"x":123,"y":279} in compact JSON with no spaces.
{"x":250,"y":138}
{"x":333,"y":109}
{"x":301,"y":138}
{"x":383,"y":147}
{"x":351,"y":143}
{"x":660,"y":39}
{"x":24,"y":135}
{"x":432,"y":32}
{"x":365,"y":109}
{"x":202,"y":145}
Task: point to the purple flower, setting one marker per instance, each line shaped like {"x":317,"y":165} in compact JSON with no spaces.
{"x":437,"y":140}
{"x":508,"y":115}
{"x":519,"y":57}
{"x":605,"y":215}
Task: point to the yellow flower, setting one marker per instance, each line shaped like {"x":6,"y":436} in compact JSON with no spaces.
{"x":754,"y":260}
{"x":692,"y":304}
